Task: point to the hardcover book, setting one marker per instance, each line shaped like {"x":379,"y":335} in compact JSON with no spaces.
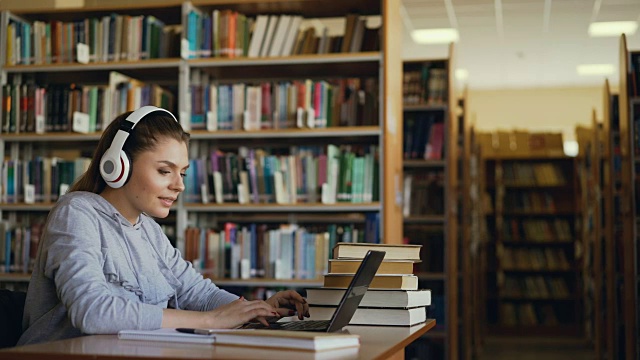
{"x":372,"y":298}
{"x":375,"y":316}
{"x":393,"y":252}
{"x":401,"y":282}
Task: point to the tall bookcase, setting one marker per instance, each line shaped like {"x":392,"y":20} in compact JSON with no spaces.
{"x":627,"y":290}
{"x":430,"y":161}
{"x":474,"y":241}
{"x":609,"y":174}
{"x":176,"y":72}
{"x":472,"y":232}
{"x":534,"y":262}
{"x":590,"y":229}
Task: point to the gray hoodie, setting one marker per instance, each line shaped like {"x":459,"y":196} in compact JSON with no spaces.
{"x":95,"y":273}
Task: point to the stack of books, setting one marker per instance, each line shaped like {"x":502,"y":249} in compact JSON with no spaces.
{"x":393,"y":297}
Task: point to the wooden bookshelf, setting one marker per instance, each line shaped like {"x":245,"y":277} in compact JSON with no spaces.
{"x":610,"y":130}
{"x":468,"y":194}
{"x":430,"y":162}
{"x":589,"y":162}
{"x":532,"y":258}
{"x":173,"y":73}
{"x":478,"y":239}
{"x":627,"y":242}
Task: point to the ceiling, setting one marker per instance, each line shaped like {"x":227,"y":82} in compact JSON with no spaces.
{"x":521,"y":43}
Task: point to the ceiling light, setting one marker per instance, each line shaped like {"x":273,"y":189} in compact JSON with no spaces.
{"x":462,"y":74}
{"x":595,"y":69}
{"x":612,"y":28}
{"x":435,"y":36}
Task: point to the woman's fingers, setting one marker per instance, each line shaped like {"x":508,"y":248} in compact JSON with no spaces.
{"x":257,"y":309}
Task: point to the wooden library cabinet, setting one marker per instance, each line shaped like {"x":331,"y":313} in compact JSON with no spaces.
{"x":535,"y":259}
{"x":589,"y":160}
{"x":348,"y":113}
{"x":627,"y":281}
{"x":430,"y":188}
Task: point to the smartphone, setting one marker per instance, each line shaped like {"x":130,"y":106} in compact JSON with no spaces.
{"x":196,"y":331}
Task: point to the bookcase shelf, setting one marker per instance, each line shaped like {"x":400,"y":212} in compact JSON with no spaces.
{"x":410,"y":164}
{"x":537,"y":271}
{"x":14,"y":277}
{"x":548,"y":330}
{"x":335,"y":132}
{"x":527,"y":186}
{"x":382,"y":67}
{"x":538,"y":243}
{"x":358,"y":59}
{"x":299,"y":218}
{"x":38,"y":206}
{"x":231,"y":207}
{"x":539,"y":213}
{"x":425,"y":107}
{"x":51,"y":137}
{"x":311,"y":8}
{"x":96,"y":66}
{"x":532,"y":251}
{"x":431,"y":276}
{"x":426,"y":219}
{"x":430,"y":164}
{"x":26,"y":207}
{"x":262,"y":282}
{"x":291,"y":66}
{"x":624,"y":294}
{"x":536,"y":299}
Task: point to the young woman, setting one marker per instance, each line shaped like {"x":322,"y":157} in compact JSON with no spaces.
{"x":105,"y":265}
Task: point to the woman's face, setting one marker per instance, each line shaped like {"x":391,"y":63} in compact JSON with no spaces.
{"x":156,"y":180}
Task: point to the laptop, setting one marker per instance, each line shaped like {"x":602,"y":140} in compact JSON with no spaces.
{"x":347,"y":306}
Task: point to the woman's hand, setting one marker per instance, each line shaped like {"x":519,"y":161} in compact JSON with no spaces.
{"x":239,"y":312}
{"x":286,"y":301}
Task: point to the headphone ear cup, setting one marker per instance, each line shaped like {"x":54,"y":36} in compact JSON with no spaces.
{"x":121,"y":171}
{"x":110,"y":166}
{"x":127,"y":169}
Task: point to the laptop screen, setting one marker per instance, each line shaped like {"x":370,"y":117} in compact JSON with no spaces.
{"x":356,"y":290}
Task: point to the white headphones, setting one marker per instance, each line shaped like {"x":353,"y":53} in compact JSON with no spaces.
{"x":115,"y":165}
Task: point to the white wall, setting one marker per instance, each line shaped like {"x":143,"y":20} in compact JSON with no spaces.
{"x":539,"y":109}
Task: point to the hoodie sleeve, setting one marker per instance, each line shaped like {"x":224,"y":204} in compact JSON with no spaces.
{"x":74,"y":261}
{"x":196,"y":292}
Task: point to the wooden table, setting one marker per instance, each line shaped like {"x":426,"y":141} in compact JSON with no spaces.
{"x":376,"y":342}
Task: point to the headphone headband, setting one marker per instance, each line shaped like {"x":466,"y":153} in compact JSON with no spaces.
{"x":114,"y":165}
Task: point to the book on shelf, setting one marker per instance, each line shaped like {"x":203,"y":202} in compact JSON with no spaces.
{"x":299,"y":177}
{"x":285,"y":251}
{"x":31,"y":107}
{"x":111,"y":37}
{"x":393,"y":252}
{"x":47,"y":175}
{"x":372,"y":298}
{"x":375,"y":316}
{"x":229,"y":34}
{"x":423,"y":194}
{"x":424,"y":83}
{"x":402,"y":282}
{"x":280,"y":339}
{"x":302,"y":103}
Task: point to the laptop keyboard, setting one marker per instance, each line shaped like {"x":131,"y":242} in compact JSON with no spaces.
{"x":308,"y":325}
